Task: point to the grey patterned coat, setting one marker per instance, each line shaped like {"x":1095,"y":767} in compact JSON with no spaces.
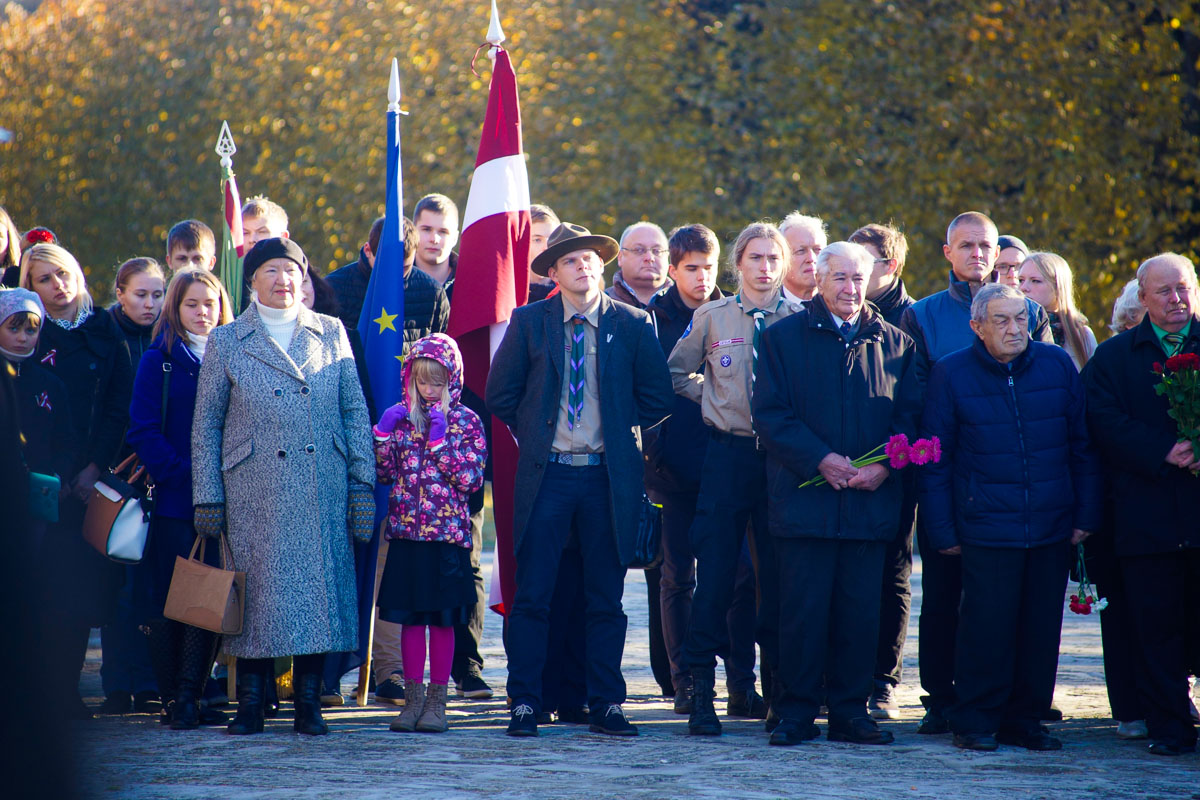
{"x":280,"y":439}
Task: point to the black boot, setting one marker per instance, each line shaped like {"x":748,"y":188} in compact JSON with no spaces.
{"x":271,"y":703}
{"x":164,"y":640}
{"x":307,"y":701}
{"x":251,"y":679}
{"x":703,"y":719}
{"x":199,"y":650}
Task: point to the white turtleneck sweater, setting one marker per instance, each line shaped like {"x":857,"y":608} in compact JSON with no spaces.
{"x":197,"y":344}
{"x":280,"y":322}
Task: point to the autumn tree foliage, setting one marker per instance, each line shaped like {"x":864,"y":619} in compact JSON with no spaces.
{"x":1074,"y":123}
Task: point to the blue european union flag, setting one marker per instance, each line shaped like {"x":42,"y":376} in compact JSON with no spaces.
{"x":381,"y":323}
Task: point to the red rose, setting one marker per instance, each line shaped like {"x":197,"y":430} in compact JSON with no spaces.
{"x":1183,"y":361}
{"x":1158,"y":367}
{"x":39,"y":236}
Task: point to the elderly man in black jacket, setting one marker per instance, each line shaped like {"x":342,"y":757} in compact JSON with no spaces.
{"x":1157,"y":494}
{"x":834,"y":382}
{"x":576,"y":378}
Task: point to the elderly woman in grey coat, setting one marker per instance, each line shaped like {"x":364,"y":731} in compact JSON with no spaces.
{"x":282,"y":461}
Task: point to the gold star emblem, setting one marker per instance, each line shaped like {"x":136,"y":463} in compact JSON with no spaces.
{"x":385,"y":321}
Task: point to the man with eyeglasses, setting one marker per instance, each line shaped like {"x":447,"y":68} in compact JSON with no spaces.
{"x":939,"y":325}
{"x":1013,"y":253}
{"x":641,"y":265}
{"x":806,"y":236}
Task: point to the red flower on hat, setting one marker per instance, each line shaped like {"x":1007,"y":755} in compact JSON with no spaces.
{"x":39,"y":236}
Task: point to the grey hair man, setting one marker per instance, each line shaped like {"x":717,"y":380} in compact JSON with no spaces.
{"x":805,"y":236}
{"x":834,"y":381}
{"x":1017,"y":485}
{"x":1152,"y":479}
{"x":641,"y":265}
{"x":939,"y":325}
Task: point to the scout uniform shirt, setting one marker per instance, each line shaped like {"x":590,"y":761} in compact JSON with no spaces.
{"x":720,"y":340}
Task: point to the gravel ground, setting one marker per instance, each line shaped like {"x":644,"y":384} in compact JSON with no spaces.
{"x":134,"y":757}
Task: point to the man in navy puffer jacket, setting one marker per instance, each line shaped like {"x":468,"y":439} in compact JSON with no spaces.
{"x":1017,"y":485}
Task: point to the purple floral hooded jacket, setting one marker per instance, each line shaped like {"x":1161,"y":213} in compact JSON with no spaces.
{"x":430,"y":485}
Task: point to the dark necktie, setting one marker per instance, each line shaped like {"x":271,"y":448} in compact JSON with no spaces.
{"x":846,"y":330}
{"x":575,"y":388}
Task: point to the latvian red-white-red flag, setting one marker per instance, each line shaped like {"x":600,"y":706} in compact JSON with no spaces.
{"x":493,"y":279}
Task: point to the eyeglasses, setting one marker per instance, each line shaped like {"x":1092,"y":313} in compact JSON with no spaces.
{"x":882,"y":260}
{"x":1006,"y":269}
{"x":640,"y":252}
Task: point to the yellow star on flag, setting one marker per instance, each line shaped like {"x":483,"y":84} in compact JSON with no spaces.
{"x":385,"y":321}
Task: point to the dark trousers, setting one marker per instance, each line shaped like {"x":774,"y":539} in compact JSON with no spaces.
{"x":568,"y":495}
{"x":125,"y":667}
{"x":467,"y":635}
{"x":1008,"y":637}
{"x":1123,"y":665}
{"x":1162,"y":593}
{"x":660,"y":663}
{"x":941,"y":593}
{"x":732,"y":494}
{"x":563,"y":683}
{"x":830,"y":590}
{"x":895,"y":598}
{"x":677,"y":582}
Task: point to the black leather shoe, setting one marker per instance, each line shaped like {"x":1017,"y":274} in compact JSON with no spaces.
{"x":934,"y":723}
{"x":575,"y":716}
{"x":860,"y":730}
{"x":1167,"y":749}
{"x":1039,"y":739}
{"x":790,"y":732}
{"x":612,"y":721}
{"x":1051,"y":714}
{"x":545,"y":718}
{"x":523,"y":721}
{"x":683,"y":700}
{"x":116,"y":703}
{"x":703,"y":719}
{"x":976,"y":741}
{"x":746,"y":704}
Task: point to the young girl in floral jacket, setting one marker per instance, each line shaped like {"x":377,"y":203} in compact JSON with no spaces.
{"x":432,"y":449}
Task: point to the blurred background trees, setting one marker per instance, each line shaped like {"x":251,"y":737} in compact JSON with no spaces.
{"x":1075,"y":124}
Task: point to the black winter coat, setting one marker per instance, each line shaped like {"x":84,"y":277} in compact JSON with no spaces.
{"x":137,"y":337}
{"x":816,"y":394}
{"x":1156,"y":505}
{"x":525,"y":383}
{"x":45,"y":420}
{"x":1017,"y":468}
{"x":674,"y":451}
{"x":93,"y":362}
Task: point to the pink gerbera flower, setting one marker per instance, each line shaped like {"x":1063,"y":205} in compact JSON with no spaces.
{"x":922,"y":452}
{"x":937,"y":449}
{"x":897,"y":451}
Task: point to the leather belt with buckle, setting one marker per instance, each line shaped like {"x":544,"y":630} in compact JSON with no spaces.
{"x":578,"y":459}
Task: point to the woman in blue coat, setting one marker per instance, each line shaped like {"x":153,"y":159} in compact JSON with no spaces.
{"x":195,"y":304}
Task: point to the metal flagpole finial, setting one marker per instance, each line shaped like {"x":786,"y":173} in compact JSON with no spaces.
{"x":225,"y":147}
{"x":495,"y":34}
{"x":394,"y":89}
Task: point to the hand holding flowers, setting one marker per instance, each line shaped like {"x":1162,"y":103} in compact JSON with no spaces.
{"x":841,"y":473}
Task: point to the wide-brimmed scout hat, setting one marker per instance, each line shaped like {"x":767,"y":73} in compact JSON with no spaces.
{"x":567,"y":238}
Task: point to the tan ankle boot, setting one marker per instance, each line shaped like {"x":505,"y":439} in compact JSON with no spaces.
{"x":414,"y":704}
{"x":433,"y":718}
